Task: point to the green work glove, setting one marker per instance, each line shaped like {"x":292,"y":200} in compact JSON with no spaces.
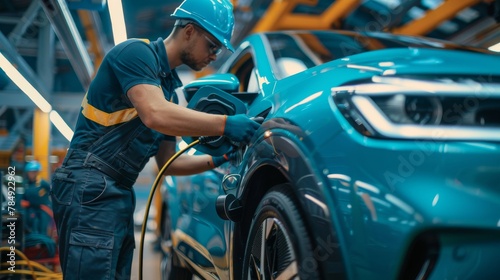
{"x":240,"y":128}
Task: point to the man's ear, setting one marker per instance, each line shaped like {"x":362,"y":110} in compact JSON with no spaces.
{"x":188,"y":31}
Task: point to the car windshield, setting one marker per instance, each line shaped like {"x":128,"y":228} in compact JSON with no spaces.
{"x":296,"y":51}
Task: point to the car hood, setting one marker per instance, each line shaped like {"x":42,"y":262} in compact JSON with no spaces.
{"x":394,"y":62}
{"x":415,"y":61}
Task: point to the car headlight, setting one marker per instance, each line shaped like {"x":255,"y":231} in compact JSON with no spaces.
{"x":410,"y":109}
{"x":422,"y":109}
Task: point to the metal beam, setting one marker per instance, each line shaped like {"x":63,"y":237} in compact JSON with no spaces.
{"x":338,"y":11}
{"x":329,"y":19}
{"x":59,"y":100}
{"x":16,"y":98}
{"x":447,"y":10}
{"x":476,"y":34}
{"x":26,"y":20}
{"x":10,"y":53}
{"x":3,"y":109}
{"x":9,"y":19}
{"x":21,"y":120}
{"x":67,"y":101}
{"x":41,"y":122}
{"x":65,"y":28}
{"x":46,"y":58}
{"x":29,"y":48}
{"x":279,"y":16}
{"x":93,"y":31}
{"x":276,"y":11}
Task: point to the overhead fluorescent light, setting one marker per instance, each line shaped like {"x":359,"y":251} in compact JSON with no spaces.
{"x":495,"y":48}
{"x":61,"y":125}
{"x":24,"y":85}
{"x":117,"y":21}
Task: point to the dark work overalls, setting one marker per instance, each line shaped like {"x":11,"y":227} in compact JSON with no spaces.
{"x":93,"y":198}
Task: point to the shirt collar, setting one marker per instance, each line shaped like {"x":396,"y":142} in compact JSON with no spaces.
{"x":166,"y":72}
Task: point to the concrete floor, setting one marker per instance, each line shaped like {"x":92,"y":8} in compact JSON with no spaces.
{"x":152,"y":258}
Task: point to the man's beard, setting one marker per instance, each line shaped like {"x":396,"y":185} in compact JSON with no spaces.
{"x":188,"y":60}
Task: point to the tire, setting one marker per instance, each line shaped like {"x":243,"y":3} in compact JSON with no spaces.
{"x":168,"y":265}
{"x":287,"y":249}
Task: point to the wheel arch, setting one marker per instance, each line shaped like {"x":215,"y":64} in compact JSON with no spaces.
{"x":270,"y":170}
{"x":259,"y":186}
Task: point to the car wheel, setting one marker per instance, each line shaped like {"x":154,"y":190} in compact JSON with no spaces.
{"x":169,"y":269}
{"x":279,"y":246}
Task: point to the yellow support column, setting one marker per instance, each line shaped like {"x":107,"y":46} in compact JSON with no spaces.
{"x":41,"y":137}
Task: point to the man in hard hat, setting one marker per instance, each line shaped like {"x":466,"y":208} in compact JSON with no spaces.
{"x":129,"y":115}
{"x":36,"y":201}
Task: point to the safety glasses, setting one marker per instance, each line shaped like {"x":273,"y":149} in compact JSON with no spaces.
{"x":213,"y":48}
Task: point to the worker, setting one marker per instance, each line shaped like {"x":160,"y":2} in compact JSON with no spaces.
{"x":128,"y":115}
{"x":35,"y":201}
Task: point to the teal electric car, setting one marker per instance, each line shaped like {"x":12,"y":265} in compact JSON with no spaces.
{"x":378,"y":158}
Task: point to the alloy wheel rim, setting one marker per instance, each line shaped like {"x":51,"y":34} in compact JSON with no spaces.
{"x":272,"y":255}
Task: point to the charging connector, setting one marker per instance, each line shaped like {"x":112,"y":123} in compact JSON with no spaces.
{"x":209,"y":139}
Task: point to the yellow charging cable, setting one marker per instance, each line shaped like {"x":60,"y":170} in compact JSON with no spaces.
{"x":150,"y":199}
{"x":43,"y":273}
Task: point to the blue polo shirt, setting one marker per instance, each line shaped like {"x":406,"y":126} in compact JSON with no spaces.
{"x":106,"y":107}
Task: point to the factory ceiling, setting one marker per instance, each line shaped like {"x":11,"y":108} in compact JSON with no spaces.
{"x":57,"y":44}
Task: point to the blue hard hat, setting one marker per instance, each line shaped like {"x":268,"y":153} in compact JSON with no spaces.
{"x":33,"y":166}
{"x":215,"y":16}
